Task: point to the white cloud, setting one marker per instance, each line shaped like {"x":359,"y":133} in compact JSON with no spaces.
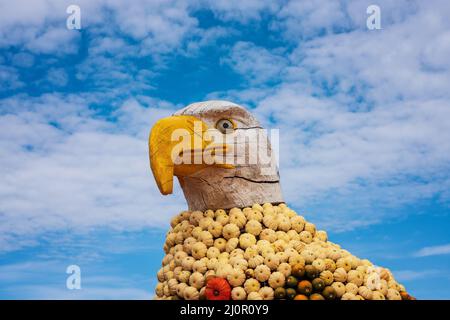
{"x":410,"y":275}
{"x":257,"y":65}
{"x":9,"y":79}
{"x":65,"y":167}
{"x":242,"y":11}
{"x":433,"y":251}
{"x":362,"y":114}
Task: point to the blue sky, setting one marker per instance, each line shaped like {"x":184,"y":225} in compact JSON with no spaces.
{"x":363,"y":119}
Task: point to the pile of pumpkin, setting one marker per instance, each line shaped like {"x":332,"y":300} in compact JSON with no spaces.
{"x":263,"y":253}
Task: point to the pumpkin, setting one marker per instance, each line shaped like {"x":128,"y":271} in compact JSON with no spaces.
{"x":180,"y":289}
{"x":311,"y":272}
{"x":355,"y":277}
{"x":340,"y":275}
{"x":197,"y":280}
{"x":393,"y":294}
{"x":321,"y":235}
{"x":272,"y":261}
{"x":276,"y":280}
{"x":305,"y":236}
{"x":231,"y":244}
{"x":195,"y":217}
{"x":205,"y":222}
{"x":365,"y":292}
{"x":262,"y":273}
{"x":253,"y":227}
{"x":238,"y":218}
{"x":297,"y":223}
{"x":377,"y":295}
{"x":159,"y":290}
{"x":316,"y":296}
{"x":311,"y":228}
{"x":223,"y":219}
{"x":266,"y":293}
{"x":249,"y":273}
{"x":290,"y":293}
{"x":223,"y":270}
{"x":308,"y":255}
{"x":198,"y":250}
{"x":284,"y":224}
{"x":209,"y":213}
{"x":301,"y":297}
{"x":298,"y":270}
{"x":230,"y":230}
{"x":215,"y":228}
{"x":191,"y":293}
{"x":257,"y":207}
{"x":254,"y":215}
{"x":285,"y":269}
{"x":236,"y":277}
{"x":348,"y":296}
{"x":280,"y":293}
{"x":318,"y":284}
{"x":199,"y":266}
{"x":291,"y":282}
{"x":247,"y":240}
{"x":344,"y":263}
{"x":327,"y":277}
{"x":330,"y":265}
{"x":296,"y":259}
{"x":210,"y":274}
{"x":405,"y":295}
{"x":254,"y":296}
{"x":240,"y":263}
{"x":268,"y":235}
{"x":304,"y":287}
{"x":352,"y":288}
{"x":238,"y":293}
{"x":339,"y":287}
{"x":220,"y":243}
{"x":202,"y":294}
{"x":252,"y":285}
{"x":319,"y":264}
{"x":329,"y":293}
{"x":270,"y":222}
{"x":217,"y":289}
{"x":255,"y":261}
{"x":251,"y":252}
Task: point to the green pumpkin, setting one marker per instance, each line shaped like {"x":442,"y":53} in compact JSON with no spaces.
{"x":318,"y":284}
{"x":329,"y":293}
{"x":291,"y":282}
{"x":290,"y":293}
{"x":280,"y":293}
{"x":311,"y":272}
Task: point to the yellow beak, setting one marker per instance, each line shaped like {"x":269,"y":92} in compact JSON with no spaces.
{"x":169,"y":156}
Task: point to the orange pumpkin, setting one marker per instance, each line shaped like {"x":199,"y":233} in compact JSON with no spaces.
{"x":298,"y":270}
{"x":301,"y":297}
{"x":304,"y":287}
{"x":317,"y":296}
{"x":217,"y":289}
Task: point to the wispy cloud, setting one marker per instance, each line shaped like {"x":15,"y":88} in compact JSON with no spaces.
{"x":433,"y":251}
{"x":363,"y":116}
{"x":409,"y":275}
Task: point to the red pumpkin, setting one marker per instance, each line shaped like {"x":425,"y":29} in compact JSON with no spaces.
{"x":217,"y":289}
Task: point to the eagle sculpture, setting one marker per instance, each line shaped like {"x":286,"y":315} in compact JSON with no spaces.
{"x":239,"y":240}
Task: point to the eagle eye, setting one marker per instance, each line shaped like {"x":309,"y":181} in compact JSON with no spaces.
{"x":225,"y":125}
